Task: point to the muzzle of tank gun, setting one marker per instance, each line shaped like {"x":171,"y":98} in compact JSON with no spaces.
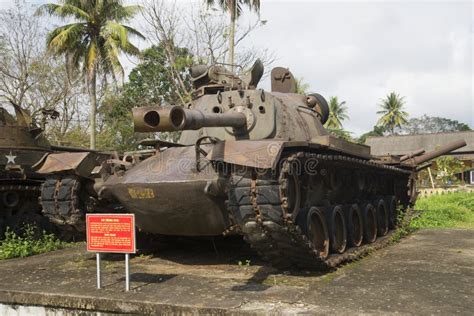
{"x":156,"y":119}
{"x":149,"y":119}
{"x":434,"y":154}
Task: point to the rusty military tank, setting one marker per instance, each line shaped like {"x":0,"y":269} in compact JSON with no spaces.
{"x":261,"y":164}
{"x":22,"y":144}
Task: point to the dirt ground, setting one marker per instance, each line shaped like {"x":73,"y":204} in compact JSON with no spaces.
{"x":429,"y":272}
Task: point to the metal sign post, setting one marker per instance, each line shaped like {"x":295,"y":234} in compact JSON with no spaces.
{"x":112,"y":233}
{"x":97,"y":255}
{"x":127,"y":272}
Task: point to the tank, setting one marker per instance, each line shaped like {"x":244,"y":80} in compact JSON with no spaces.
{"x":30,"y":196}
{"x":261,"y":164}
{"x":22,"y":144}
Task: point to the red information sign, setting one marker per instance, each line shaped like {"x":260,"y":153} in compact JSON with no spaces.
{"x":111,"y":233}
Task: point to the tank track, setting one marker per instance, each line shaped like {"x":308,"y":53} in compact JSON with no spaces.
{"x":24,"y":206}
{"x":258,"y":204}
{"x":31,"y":188}
{"x":61,"y":202}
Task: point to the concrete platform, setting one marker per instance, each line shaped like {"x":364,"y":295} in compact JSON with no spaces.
{"x":430,"y":272}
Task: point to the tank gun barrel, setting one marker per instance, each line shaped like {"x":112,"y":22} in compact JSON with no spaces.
{"x":435,"y":153}
{"x":156,"y":119}
{"x":194,"y":119}
{"x":412,"y":154}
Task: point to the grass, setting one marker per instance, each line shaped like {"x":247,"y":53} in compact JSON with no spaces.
{"x":451,"y":210}
{"x":27,"y":243}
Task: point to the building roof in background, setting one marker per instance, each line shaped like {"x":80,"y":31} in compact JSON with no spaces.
{"x":403,"y":144}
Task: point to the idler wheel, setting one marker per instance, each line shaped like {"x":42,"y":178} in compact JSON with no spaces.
{"x":369,"y":216}
{"x":318,"y":231}
{"x":382,"y":218}
{"x":355,"y":226}
{"x":10,"y":199}
{"x":337,"y":230}
{"x":391,"y":204}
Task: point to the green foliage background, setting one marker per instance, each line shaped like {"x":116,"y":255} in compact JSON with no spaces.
{"x":28,"y":243}
{"x":446,"y":210}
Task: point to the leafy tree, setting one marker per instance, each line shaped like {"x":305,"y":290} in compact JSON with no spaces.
{"x":339,"y":132}
{"x":429,"y":124}
{"x":94,"y":41}
{"x":151,"y":81}
{"x":337,"y":113}
{"x":446,"y":169}
{"x":376,"y":131}
{"x":392,"y":112}
{"x":32,"y":78}
{"x":234,"y":7}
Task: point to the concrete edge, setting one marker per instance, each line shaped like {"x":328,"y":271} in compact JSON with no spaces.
{"x":108,"y":305}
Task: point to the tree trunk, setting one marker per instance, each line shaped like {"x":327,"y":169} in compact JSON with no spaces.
{"x":232,"y":34}
{"x":93,"y":108}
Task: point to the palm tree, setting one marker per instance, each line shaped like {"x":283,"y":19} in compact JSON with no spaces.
{"x":392,"y":112}
{"x":93,"y":41}
{"x":337,"y":113}
{"x":302,"y":87}
{"x":234,"y":7}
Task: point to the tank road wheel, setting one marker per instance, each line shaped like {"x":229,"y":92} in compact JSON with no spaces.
{"x":369,"y":215}
{"x":382,"y":217}
{"x":11,"y":199}
{"x":318,"y":231}
{"x":391,"y":205}
{"x":290,"y":189}
{"x":355,"y":226}
{"x":337,"y":229}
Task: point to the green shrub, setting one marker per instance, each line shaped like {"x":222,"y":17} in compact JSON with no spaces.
{"x":447,"y":210}
{"x":28,"y":243}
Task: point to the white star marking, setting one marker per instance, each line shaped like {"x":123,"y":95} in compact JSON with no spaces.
{"x":10,"y":158}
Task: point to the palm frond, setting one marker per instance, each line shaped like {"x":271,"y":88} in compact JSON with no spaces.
{"x":61,"y":38}
{"x":114,"y":10}
{"x":227,"y":5}
{"x":134,"y":32}
{"x":110,"y":55}
{"x":91,"y":58}
{"x":117,"y":31}
{"x":63,"y":11}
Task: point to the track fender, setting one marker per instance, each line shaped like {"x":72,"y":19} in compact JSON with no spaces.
{"x":80,"y":163}
{"x":252,"y":153}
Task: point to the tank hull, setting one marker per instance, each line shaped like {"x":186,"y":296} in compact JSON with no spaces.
{"x":20,"y":148}
{"x":169,"y":197}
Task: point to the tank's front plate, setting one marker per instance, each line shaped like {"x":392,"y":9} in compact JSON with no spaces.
{"x":168,"y":195}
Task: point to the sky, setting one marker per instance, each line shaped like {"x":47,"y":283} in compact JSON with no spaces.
{"x":362,"y":50}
